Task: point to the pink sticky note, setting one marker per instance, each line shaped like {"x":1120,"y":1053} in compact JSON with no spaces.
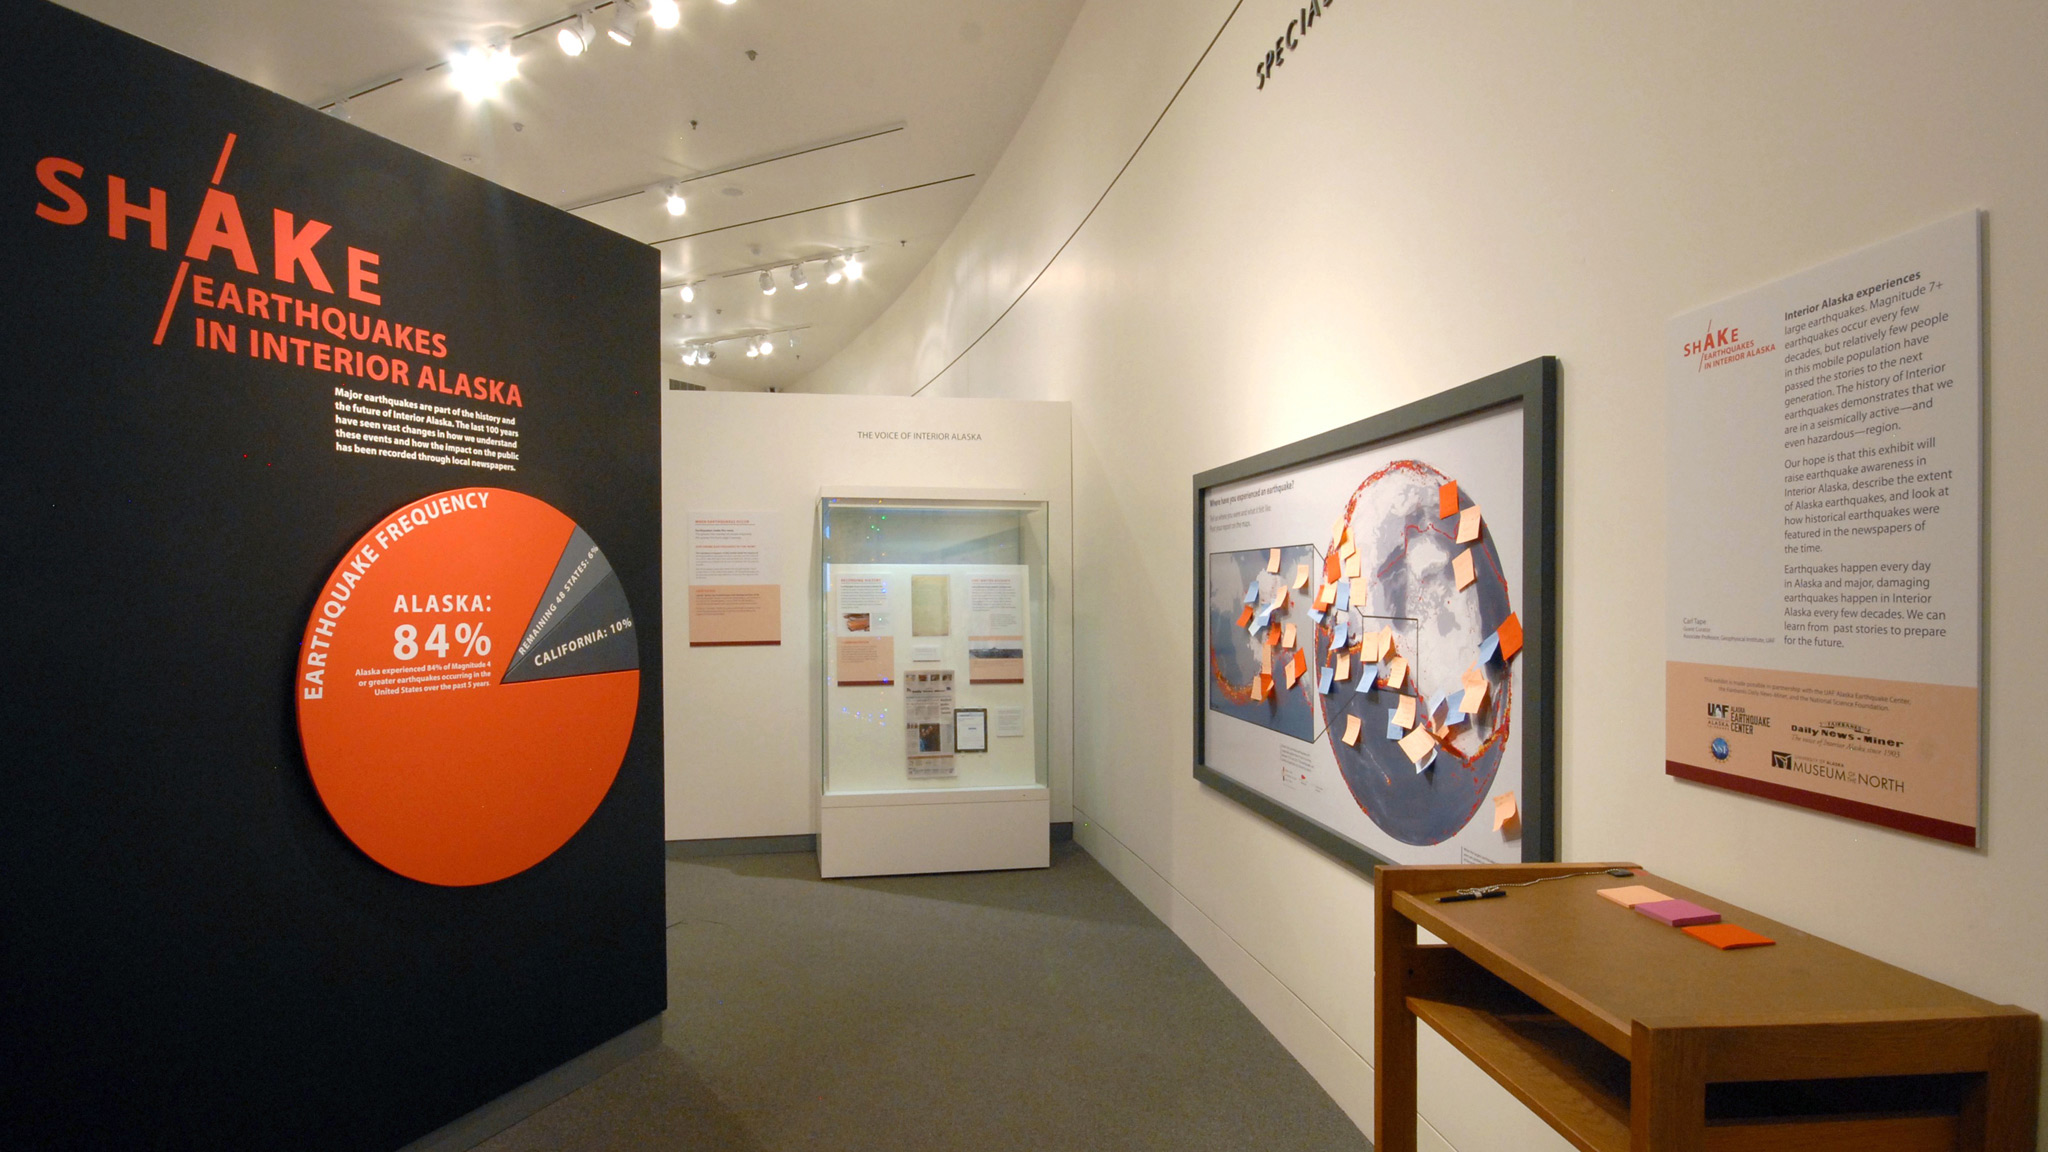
{"x":1632,"y":895}
{"x":1505,"y":812}
{"x":1468,"y":524}
{"x":1678,"y":913}
{"x":1461,"y":569}
{"x":1351,"y":730}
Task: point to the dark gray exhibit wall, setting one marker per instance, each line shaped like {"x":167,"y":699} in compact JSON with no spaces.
{"x":238,"y":334}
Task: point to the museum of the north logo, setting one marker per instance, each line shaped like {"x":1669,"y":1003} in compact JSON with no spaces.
{"x":1732,"y":718}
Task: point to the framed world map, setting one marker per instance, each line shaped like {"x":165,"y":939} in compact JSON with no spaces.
{"x":1376,"y":658}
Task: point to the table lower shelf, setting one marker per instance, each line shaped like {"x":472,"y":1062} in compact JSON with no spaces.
{"x":1581,"y":1089}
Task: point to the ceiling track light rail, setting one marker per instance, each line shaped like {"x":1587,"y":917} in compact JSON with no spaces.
{"x":624,"y":15}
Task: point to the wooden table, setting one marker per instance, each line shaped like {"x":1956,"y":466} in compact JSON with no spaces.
{"x":1624,"y":1034}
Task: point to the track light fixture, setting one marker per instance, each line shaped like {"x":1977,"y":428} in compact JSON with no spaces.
{"x":625,"y":14}
{"x":689,"y":293}
{"x":796,"y":277}
{"x":673,"y":197}
{"x":767,"y":346}
{"x":836,"y":270}
{"x":667,"y":13}
{"x":575,"y":36}
{"x":767,"y":284}
{"x":753,"y":349}
{"x":478,"y":73}
{"x":854,"y":268}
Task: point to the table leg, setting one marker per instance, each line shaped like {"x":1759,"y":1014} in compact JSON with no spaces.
{"x":1667,"y":1090}
{"x":1393,"y":1029}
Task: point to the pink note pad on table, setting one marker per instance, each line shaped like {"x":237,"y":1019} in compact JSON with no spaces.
{"x":1632,"y":895}
{"x":1678,"y":913}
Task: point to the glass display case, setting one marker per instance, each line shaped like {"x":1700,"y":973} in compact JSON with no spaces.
{"x":933,"y":631}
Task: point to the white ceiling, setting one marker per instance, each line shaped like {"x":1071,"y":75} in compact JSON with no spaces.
{"x":937,"y":87}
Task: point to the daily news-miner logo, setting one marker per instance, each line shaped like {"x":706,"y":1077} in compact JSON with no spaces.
{"x":1732,"y":718}
{"x":1842,"y":733}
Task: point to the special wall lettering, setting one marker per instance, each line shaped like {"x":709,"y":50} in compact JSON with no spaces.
{"x":1290,"y":40}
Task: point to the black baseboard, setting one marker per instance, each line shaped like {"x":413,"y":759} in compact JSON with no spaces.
{"x":538,"y":1093}
{"x":1062,"y":831}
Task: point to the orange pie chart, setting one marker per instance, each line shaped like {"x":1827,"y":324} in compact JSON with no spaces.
{"x":467,"y":686}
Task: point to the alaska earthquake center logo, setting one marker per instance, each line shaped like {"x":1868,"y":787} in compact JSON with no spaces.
{"x":1732,"y":718}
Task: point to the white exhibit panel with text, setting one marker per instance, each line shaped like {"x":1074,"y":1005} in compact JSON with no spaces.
{"x":742,"y":474}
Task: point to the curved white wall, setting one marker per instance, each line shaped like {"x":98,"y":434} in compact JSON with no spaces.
{"x":1425,"y":193}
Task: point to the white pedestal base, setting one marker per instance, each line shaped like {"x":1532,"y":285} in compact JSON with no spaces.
{"x":964,"y":830}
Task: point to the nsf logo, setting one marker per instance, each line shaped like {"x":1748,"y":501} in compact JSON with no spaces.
{"x":1720,"y":748}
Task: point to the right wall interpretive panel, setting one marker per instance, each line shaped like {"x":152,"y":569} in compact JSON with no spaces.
{"x":1825,"y":537}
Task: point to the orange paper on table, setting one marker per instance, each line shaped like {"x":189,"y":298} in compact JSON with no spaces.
{"x":1725,"y":936}
{"x":1417,"y":745}
{"x":1468,"y":524}
{"x":1244,"y":618}
{"x":1397,"y":672}
{"x":1287,"y":636}
{"x":1344,"y":667}
{"x":1273,"y":560}
{"x":1631,"y":895}
{"x":1504,"y":811}
{"x":1404,"y":712}
{"x":1301,"y":576}
{"x":1510,"y":636}
{"x":1461,"y":569}
{"x":1351,"y":730}
{"x":1447,"y":500}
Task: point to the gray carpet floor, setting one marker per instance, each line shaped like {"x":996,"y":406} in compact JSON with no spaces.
{"x":1040,"y":1011}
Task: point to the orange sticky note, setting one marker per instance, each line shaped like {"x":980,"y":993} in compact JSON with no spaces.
{"x":1265,"y":658}
{"x":1461,"y":569}
{"x":1287,"y":636}
{"x":1352,"y":566}
{"x":1375,"y":646}
{"x":1468,"y":524}
{"x":1344,"y":667}
{"x":1417,"y":745}
{"x":1510,"y":636}
{"x":1273,"y":632}
{"x":1351,"y":730}
{"x":1326,"y":595}
{"x":1262,"y":686}
{"x":1397,"y":671}
{"x":1504,"y":811}
{"x":1447,"y":500}
{"x":1475,"y":697}
{"x":1297,"y":667}
{"x":1292,"y":675}
{"x":1631,"y":895}
{"x":1404,"y":712}
{"x":1301,"y":576}
{"x":1280,"y":599}
{"x":1273,"y":560}
{"x":1244,"y":618}
{"x":1725,"y":936}
{"x":1332,"y":567}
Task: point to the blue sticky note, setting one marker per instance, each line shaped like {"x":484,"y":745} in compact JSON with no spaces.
{"x":1428,"y":758}
{"x":1341,"y":634}
{"x":1251,"y":594}
{"x":1329,"y":674}
{"x":1264,"y":617}
{"x":1343,"y":595}
{"x":1316,"y":614}
{"x":1394,"y":729}
{"x":1491,"y":649}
